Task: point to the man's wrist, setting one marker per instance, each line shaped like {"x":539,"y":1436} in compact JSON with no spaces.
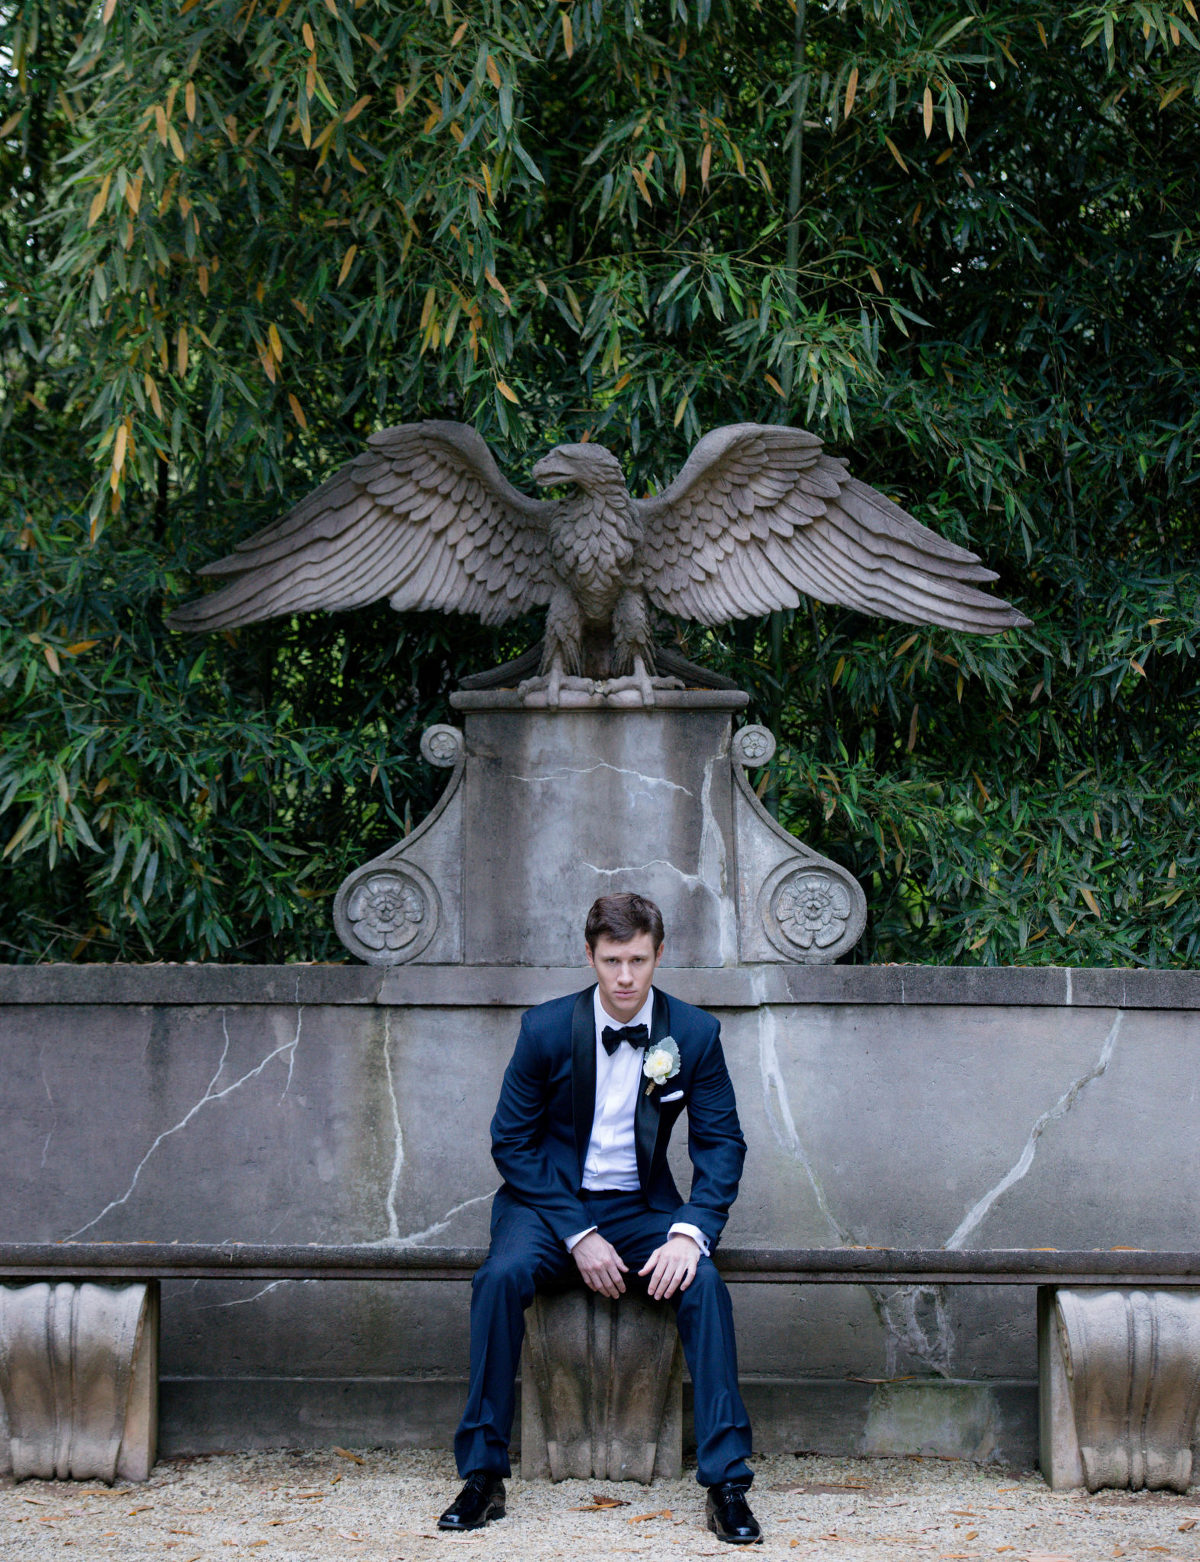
{"x":684,"y":1229}
{"x":570,"y":1242}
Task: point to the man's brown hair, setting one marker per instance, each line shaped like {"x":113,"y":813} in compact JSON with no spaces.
{"x":622,"y":918}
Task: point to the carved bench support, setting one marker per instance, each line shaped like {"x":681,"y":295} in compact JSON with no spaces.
{"x":79,"y":1381}
{"x":1118,"y":1386}
{"x":601,"y":1389}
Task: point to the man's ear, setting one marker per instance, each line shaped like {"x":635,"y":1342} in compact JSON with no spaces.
{"x":587,"y":949}
{"x":659,"y":950}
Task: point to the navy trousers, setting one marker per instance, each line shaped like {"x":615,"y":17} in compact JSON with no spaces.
{"x":524,"y":1254}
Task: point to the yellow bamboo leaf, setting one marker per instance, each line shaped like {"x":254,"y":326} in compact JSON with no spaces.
{"x":202,"y":280}
{"x":508,"y":393}
{"x":22,"y":831}
{"x":152,"y":394}
{"x":487,"y":179}
{"x":359,"y":168}
{"x":1191,"y":10}
{"x":427,"y":307}
{"x":893,"y":149}
{"x":545,"y":292}
{"x":160,"y":123}
{"x":331,"y":7}
{"x":77,"y":648}
{"x":460,"y":32}
{"x":434,"y":119}
{"x":927,"y":112}
{"x":120,"y":445}
{"x":181,"y":351}
{"x":176,"y":143}
{"x":905,"y":645}
{"x":493,"y":71}
{"x":1042,"y":36}
{"x":679,"y":411}
{"x":189,"y":100}
{"x":1176,"y":35}
{"x":106,"y":15}
{"x":705,"y":162}
{"x":310,"y":43}
{"x":838,"y":671}
{"x":568,"y":33}
{"x":494,"y":281}
{"x":639,"y":179}
{"x":268,"y":363}
{"x":774,"y":384}
{"x":133,"y":191}
{"x":1092,"y":904}
{"x":276,"y":341}
{"x":766,"y":178}
{"x":851,"y":93}
{"x":738,"y":159}
{"x":297,"y":412}
{"x":11,"y":123}
{"x":358,"y":108}
{"x":875,"y":278}
{"x":347,"y":262}
{"x":99,"y":201}
{"x":623,"y":382}
{"x":52,"y":663}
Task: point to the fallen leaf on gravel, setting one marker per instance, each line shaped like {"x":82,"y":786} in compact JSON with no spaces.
{"x":181,"y":1532}
{"x":305,"y":1496}
{"x":344,"y":1453}
{"x":1047,"y":1556}
{"x":147,"y":1509}
{"x":640,"y":1518}
{"x":1187,"y":1524}
{"x":599,"y":1500}
{"x":38,"y":1502}
{"x":821,"y":1488}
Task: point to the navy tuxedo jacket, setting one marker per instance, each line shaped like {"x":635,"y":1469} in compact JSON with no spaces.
{"x":543,"y":1122}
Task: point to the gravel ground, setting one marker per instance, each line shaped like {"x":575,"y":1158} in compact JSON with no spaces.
{"x":375,"y":1504}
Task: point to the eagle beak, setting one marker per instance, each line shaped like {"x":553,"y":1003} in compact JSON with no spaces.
{"x":550,"y":470}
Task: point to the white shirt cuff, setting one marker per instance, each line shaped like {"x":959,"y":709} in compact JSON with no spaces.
{"x":694,"y":1232}
{"x":578,"y":1237}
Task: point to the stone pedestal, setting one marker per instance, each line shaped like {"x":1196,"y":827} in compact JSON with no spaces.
{"x":79,"y":1381}
{"x":1119,"y":1386}
{"x":547,"y":809}
{"x":601,"y":1389}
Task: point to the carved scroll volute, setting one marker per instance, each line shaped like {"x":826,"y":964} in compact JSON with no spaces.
{"x":406,"y":902}
{"x":793,"y":904}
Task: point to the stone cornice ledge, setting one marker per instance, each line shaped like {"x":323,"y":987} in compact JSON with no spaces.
{"x":456,"y":986}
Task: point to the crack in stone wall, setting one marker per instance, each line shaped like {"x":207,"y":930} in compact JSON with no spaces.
{"x":978,"y":1212}
{"x":565,"y":770}
{"x":210,"y":1095}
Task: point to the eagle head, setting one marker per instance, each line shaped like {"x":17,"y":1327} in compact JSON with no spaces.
{"x":590,"y":466}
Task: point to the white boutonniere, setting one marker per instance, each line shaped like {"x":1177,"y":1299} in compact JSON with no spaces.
{"x":661,"y":1063}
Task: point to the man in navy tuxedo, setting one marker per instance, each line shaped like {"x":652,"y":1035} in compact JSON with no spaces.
{"x":580,"y":1140}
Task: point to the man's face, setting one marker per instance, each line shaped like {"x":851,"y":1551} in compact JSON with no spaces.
{"x":624,"y":973}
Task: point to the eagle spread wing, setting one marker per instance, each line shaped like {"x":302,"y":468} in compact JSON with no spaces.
{"x":424,"y":517}
{"x":758,"y":514}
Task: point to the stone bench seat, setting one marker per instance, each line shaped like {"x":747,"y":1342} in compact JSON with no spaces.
{"x":1118,"y":1351}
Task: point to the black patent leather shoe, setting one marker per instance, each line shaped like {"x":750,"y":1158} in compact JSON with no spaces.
{"x":729,"y":1515}
{"x":481,"y":1499}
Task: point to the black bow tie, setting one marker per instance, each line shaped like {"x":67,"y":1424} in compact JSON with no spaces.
{"x":635,"y":1035}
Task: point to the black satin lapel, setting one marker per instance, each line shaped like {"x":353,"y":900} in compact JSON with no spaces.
{"x":583,"y":1070}
{"x":646,"y":1117}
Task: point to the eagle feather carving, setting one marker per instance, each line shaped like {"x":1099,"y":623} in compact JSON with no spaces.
{"x":758,"y":516}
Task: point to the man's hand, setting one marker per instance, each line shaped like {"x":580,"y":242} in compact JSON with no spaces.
{"x":600,"y":1264}
{"x":671,"y":1267}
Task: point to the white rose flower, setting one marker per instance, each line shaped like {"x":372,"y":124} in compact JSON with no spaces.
{"x":658,"y":1066}
{"x":661,"y":1063}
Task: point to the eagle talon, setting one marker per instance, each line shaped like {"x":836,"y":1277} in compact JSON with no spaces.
{"x":547,"y":690}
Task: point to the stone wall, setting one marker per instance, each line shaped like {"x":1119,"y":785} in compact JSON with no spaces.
{"x":898,"y":1106}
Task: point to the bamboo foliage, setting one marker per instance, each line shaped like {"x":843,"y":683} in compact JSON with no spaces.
{"x":238,"y":237}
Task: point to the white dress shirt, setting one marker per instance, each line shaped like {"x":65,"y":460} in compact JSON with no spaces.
{"x":611,"y":1158}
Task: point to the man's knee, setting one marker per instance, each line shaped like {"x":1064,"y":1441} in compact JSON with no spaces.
{"x":706,"y":1284}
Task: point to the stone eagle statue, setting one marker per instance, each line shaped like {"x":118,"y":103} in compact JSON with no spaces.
{"x":758,"y":515}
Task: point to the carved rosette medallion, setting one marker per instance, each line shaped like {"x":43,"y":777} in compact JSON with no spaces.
{"x":753,"y":746}
{"x":811,"y":913}
{"x":441,"y":746}
{"x":390,"y":913}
